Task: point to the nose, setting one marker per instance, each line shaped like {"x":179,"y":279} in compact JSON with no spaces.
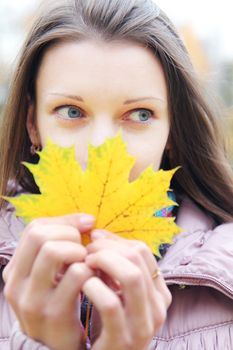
{"x":102,"y":129}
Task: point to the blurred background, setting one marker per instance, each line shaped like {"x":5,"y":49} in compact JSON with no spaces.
{"x":206,"y":27}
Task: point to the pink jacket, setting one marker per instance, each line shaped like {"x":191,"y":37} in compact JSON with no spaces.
{"x":198,"y":268}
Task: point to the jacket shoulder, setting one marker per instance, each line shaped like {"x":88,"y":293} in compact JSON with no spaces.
{"x":202,"y":254}
{"x":10,"y":228}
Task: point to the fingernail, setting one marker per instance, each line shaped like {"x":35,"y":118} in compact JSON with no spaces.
{"x":87,"y":220}
{"x":96,"y":234}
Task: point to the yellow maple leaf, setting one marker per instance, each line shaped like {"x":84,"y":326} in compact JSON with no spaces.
{"x":103,"y":190}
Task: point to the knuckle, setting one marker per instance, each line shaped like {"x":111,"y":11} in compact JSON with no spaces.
{"x":133,"y":256}
{"x":28,"y":309}
{"x":9,"y":294}
{"x":127,"y":342}
{"x":74,"y":270}
{"x":137,"y":250}
{"x":151,"y":331}
{"x":144,"y":334}
{"x":161,"y":317}
{"x":110,"y":307}
{"x":52,"y":314}
{"x":168,"y":297}
{"x":142,"y":248}
{"x":49,"y":251}
{"x":34,"y":223}
{"x":34,"y":233}
{"x":134,"y":278}
{"x":5,"y":273}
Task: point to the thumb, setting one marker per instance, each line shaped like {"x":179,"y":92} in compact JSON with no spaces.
{"x":81,"y":221}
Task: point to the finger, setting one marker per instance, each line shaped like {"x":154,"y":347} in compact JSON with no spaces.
{"x":133,"y":250}
{"x":71,"y":284}
{"x":31,"y":242}
{"x":51,"y":258}
{"x":126,"y":250}
{"x":5,"y":272}
{"x":35,"y":235}
{"x":157,"y":291}
{"x":78,"y":222}
{"x":139,"y":248}
{"x":108,"y":306}
{"x":97,"y":234}
{"x":145,"y":306}
{"x":108,"y":244}
{"x":132,"y":281}
{"x":158,"y":297}
{"x":81,"y":221}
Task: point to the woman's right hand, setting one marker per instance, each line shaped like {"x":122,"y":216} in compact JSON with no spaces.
{"x":44,"y":278}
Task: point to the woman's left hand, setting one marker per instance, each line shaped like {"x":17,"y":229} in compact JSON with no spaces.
{"x":131,"y":305}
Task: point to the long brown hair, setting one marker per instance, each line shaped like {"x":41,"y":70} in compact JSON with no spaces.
{"x":196,"y":144}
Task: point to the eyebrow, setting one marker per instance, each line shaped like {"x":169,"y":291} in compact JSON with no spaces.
{"x":133,"y":100}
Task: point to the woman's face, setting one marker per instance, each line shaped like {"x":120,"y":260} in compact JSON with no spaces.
{"x":86,"y":91}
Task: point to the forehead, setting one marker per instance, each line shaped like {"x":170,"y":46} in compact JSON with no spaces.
{"x":95,"y":65}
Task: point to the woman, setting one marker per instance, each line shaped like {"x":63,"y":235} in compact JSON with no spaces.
{"x":83,"y":63}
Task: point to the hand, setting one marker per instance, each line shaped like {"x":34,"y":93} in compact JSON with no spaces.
{"x":132,"y":306}
{"x":44,"y":279}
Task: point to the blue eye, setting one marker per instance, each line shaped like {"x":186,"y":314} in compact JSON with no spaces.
{"x":141,"y":115}
{"x":69,"y":112}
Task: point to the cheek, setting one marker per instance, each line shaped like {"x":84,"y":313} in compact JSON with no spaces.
{"x":64,"y":137}
{"x":58,"y":138}
{"x":143,"y":161}
{"x":147,"y":153}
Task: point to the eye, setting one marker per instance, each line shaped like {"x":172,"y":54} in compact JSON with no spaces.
{"x":69,"y":112}
{"x":141,"y":115}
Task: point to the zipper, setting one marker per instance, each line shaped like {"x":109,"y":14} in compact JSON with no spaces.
{"x":199,"y":280}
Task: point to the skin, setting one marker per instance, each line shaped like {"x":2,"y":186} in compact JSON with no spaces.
{"x":105,"y":76}
{"x":101,"y":82}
